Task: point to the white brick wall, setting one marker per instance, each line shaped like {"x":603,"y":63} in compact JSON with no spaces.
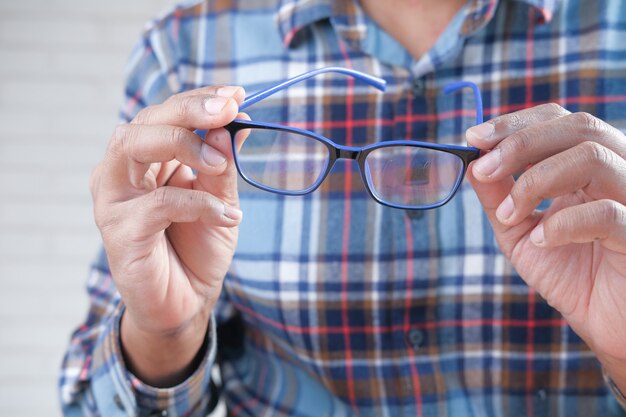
{"x":56,"y":57}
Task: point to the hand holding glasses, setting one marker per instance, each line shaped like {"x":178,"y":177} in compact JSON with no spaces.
{"x":403,"y":174}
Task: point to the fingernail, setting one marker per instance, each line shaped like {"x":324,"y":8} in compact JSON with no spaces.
{"x":506,"y":209}
{"x":211,"y":156}
{"x":537,"y":236}
{"x":488,"y":164}
{"x":214,"y":105}
{"x":232,"y":212}
{"x":482,"y":131}
{"x":227,"y":91}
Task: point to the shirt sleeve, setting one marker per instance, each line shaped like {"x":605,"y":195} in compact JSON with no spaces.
{"x":94,"y":380}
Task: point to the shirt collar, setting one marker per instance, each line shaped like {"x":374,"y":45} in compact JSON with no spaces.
{"x":349,"y":19}
{"x":294,"y":15}
{"x":480,"y":12}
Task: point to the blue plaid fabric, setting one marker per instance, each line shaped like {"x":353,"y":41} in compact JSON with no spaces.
{"x":349,"y":307}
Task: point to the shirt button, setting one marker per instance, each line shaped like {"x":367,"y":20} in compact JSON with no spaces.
{"x":416,"y":338}
{"x":415,"y":214}
{"x":418,"y":87}
{"x":118,"y":402}
{"x":542,"y":394}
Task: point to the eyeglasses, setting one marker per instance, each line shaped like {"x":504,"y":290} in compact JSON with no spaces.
{"x":403,"y":174}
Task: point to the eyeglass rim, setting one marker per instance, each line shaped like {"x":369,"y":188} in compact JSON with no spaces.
{"x":238,"y":124}
{"x":465,"y":153}
{"x":380,"y":84}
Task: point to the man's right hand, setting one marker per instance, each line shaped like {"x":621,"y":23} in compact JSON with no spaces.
{"x":169,"y":234}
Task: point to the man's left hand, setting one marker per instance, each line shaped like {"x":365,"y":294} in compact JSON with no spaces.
{"x":574,"y":252}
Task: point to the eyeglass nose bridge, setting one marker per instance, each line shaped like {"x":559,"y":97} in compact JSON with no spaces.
{"x":346,"y":152}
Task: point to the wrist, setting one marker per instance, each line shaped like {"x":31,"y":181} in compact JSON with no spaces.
{"x":163,"y":359}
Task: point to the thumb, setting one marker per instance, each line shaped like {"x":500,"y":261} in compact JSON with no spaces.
{"x":224,"y":184}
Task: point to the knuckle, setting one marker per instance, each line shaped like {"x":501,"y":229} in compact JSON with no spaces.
{"x":182,"y":106}
{"x":520,"y":142}
{"x":513,"y":122}
{"x":122,"y":136}
{"x":161,"y":197}
{"x":554,"y":108}
{"x":170,"y":99}
{"x":589,"y":123}
{"x":517,"y":122}
{"x":144,"y":116}
{"x":101,"y":221}
{"x":598,"y":154}
{"x":105,"y":220}
{"x":178,"y":137}
{"x":527,"y":184}
{"x":557,"y":225}
{"x":216,"y":206}
{"x":210,"y":203}
{"x":205,"y":200}
{"x":185,"y":203}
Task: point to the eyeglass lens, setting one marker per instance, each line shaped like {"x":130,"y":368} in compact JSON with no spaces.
{"x":281,"y":160}
{"x":408,"y":176}
{"x":412,"y":176}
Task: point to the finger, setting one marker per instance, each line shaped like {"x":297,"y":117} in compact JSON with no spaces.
{"x":486,"y":135}
{"x":540,"y":141}
{"x":181,"y":177}
{"x":193,"y":111}
{"x":134,"y":148}
{"x":160,"y":208}
{"x":589,"y":167}
{"x":491,"y":196}
{"x":224,"y":185}
{"x":599,"y":220}
{"x":243,"y":134}
{"x":163,"y":172}
{"x":94,"y":181}
{"x":236,"y":92}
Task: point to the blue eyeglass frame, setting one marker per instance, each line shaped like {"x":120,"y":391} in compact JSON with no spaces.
{"x":359,"y":154}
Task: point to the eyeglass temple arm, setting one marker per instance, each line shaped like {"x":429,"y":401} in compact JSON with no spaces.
{"x":452,"y":87}
{"x":375,"y":82}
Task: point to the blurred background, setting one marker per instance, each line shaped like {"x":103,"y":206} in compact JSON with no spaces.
{"x":61,"y":82}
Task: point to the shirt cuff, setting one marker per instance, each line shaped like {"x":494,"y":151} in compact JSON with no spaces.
{"x":619,"y":395}
{"x":132,"y":396}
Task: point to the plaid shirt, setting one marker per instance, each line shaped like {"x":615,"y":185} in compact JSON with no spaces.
{"x":348,"y":307}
